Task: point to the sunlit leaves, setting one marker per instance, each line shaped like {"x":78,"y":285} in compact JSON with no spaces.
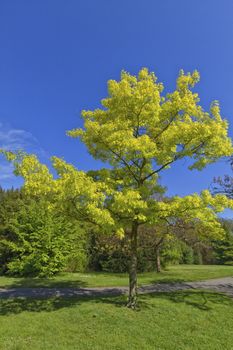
{"x":136,"y":121}
{"x":139,"y":132}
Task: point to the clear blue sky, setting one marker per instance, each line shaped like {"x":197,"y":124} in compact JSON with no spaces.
{"x":56,"y":56}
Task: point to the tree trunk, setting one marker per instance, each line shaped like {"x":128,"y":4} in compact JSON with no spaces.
{"x":132,"y":299}
{"x":158,"y":263}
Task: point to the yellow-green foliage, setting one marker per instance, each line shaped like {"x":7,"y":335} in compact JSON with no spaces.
{"x":142,"y":132}
{"x":139,"y":132}
{"x":137,"y":122}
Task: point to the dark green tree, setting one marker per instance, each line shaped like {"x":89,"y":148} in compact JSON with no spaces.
{"x":223,"y":249}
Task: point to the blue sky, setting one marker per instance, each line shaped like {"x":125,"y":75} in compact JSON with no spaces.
{"x":56,"y":56}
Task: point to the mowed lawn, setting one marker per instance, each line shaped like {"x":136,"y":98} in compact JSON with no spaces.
{"x":188,"y":320}
{"x":177,"y":273}
{"x":185,"y":320}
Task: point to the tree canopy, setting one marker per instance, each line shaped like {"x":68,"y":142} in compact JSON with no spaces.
{"x":139,"y":132}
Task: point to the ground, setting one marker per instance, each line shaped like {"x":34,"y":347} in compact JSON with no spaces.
{"x":192,"y":320}
{"x":182,"y":320}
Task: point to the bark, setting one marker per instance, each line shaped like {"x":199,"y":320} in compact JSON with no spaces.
{"x":132,"y":298}
{"x":158,"y":263}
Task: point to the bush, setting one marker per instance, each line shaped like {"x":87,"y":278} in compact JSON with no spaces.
{"x":39,"y":242}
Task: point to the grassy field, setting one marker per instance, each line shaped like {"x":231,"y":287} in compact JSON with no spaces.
{"x":192,"y":320}
{"x":176,"y":273}
{"x":185,"y":320}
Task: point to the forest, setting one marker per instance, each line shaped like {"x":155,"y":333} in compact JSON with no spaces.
{"x":36,"y":242}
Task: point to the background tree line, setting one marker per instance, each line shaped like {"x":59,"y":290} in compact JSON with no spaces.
{"x":37,"y":242}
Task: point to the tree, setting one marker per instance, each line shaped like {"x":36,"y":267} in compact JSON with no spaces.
{"x":196,"y":241}
{"x":10,"y":203}
{"x":223,"y":249}
{"x":224,"y":184}
{"x":139,"y":133}
{"x":34,"y":240}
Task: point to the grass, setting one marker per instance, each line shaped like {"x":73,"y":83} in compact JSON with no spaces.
{"x":184,"y":320}
{"x":191,"y":320}
{"x":177,"y":273}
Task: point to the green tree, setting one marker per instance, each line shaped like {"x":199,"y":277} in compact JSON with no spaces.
{"x":33,"y":239}
{"x":223,"y":248}
{"x":10,"y":203}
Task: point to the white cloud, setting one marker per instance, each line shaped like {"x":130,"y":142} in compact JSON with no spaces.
{"x":6,"y":171}
{"x":16,"y":139}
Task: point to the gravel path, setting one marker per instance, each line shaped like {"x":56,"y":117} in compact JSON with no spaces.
{"x":224,"y":285}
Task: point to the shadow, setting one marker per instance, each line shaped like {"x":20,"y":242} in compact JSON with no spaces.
{"x":45,"y":293}
{"x":11,"y":306}
{"x":30,"y":282}
{"x":202,"y":300}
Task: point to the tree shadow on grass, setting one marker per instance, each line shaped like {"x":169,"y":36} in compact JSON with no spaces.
{"x":30,"y":282}
{"x":202,"y":300}
{"x":11,"y":306}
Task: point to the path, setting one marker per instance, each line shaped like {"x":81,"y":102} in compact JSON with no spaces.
{"x":224,"y":285}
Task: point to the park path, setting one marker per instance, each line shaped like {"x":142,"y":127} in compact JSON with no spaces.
{"x":223,"y":285}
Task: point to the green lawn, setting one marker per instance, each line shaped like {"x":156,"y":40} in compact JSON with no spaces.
{"x":185,"y":320}
{"x":172,"y":274}
{"x":191,"y":320}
